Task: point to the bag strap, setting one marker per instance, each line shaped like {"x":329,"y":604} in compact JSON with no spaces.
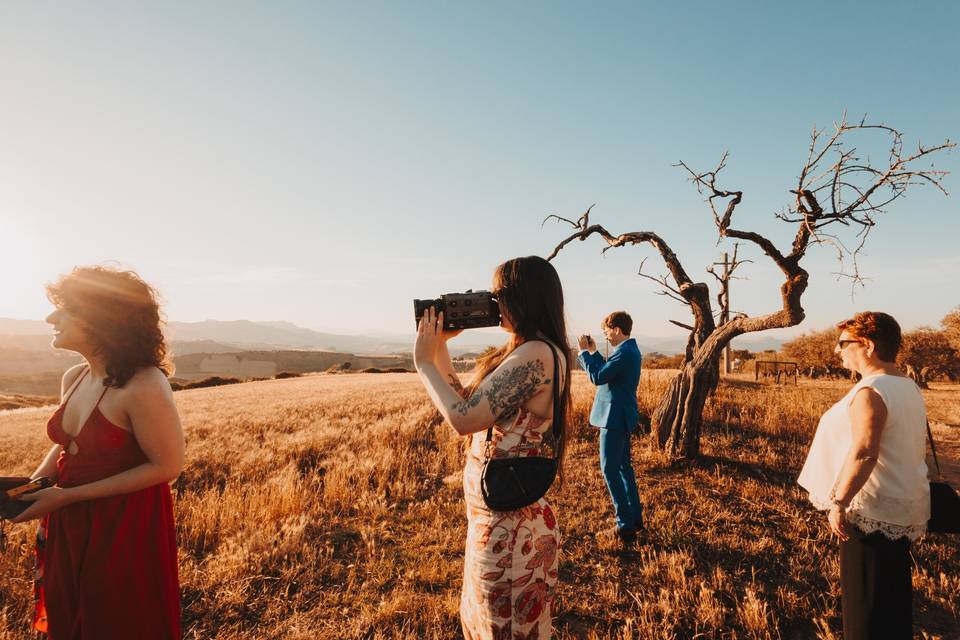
{"x":556,"y":397}
{"x":933,"y":449}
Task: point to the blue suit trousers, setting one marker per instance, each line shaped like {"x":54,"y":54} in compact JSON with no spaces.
{"x":618,"y":474}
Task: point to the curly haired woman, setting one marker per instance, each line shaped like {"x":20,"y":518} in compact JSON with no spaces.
{"x":106,"y":546}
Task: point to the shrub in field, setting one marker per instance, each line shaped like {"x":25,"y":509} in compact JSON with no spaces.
{"x":212,"y":381}
{"x":661,"y":361}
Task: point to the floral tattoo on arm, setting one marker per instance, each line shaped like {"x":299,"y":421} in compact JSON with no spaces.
{"x":508,"y":390}
{"x":455,"y":383}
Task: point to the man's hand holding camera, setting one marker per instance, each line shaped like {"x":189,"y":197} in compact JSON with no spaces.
{"x":586,"y":342}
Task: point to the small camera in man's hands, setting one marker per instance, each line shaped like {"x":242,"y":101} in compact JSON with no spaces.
{"x":467,"y":310}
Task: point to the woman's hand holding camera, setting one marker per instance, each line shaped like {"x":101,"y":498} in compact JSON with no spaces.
{"x":430,"y":335}
{"x":44,"y":501}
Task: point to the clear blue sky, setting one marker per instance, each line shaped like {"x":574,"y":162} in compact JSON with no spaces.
{"x":326,"y":163}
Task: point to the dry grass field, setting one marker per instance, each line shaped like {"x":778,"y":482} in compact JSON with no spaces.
{"x":329,"y":506}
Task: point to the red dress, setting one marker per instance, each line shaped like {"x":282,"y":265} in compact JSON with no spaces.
{"x":106,"y":568}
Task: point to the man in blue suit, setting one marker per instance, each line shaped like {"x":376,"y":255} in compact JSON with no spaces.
{"x":615,"y":413}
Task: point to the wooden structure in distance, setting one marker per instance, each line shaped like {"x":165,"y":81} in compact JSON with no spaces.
{"x":777,"y":368}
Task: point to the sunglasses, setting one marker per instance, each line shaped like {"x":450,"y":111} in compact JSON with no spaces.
{"x":842,"y":344}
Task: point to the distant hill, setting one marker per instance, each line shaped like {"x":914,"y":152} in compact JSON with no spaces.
{"x":23,"y":354}
{"x":37,"y":384}
{"x":245,"y":349}
{"x":187,"y":347}
{"x":223,"y":336}
{"x":27,"y":342}
{"x":15,"y":361}
{"x":285,"y":335}
{"x":279,"y":335}
{"x":12,"y":327}
{"x":266,"y":364}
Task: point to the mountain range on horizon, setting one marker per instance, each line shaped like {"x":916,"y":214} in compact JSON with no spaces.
{"x":213,"y":336}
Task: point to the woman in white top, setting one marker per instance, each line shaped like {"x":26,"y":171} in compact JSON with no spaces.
{"x":867,"y":467}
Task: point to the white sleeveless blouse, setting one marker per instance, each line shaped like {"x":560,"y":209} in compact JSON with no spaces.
{"x":895,"y":499}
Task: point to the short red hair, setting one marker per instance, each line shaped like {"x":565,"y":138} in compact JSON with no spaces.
{"x":878,"y":327}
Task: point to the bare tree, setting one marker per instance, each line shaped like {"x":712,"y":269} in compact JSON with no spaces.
{"x":723,"y":296}
{"x":854,"y":190}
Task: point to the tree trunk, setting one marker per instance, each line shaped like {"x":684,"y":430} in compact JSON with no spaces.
{"x":677,"y":421}
{"x":918,"y":375}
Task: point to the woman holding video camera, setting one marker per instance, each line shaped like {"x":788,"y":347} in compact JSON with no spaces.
{"x":106,"y":547}
{"x":510,"y":563}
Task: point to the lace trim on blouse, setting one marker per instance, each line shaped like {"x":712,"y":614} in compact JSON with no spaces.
{"x":912,"y":532}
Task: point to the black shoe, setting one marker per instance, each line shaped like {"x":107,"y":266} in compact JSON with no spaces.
{"x":626,"y":535}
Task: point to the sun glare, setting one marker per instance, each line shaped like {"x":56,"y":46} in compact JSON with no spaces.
{"x":23,"y":272}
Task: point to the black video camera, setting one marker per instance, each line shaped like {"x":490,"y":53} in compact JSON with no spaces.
{"x":11,"y":487}
{"x":467,"y":310}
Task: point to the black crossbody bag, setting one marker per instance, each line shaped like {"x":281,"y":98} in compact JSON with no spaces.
{"x":508,"y":484}
{"x":944,"y":501}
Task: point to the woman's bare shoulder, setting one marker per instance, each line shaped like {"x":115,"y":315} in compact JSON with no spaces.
{"x":148,"y":381}
{"x":534,"y":356}
{"x":70,"y":376}
{"x":531,"y":352}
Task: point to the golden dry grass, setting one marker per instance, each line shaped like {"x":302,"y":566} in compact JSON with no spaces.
{"x":330,"y":507}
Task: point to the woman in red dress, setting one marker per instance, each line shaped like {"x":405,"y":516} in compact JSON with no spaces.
{"x":106,"y":546}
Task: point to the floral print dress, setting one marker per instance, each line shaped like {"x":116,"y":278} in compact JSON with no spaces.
{"x":510,"y":565}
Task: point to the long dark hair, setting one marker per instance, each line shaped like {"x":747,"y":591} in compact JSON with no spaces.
{"x":120,"y":314}
{"x":530,"y":292}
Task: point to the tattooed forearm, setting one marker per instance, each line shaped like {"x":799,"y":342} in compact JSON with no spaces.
{"x":510,"y":388}
{"x":455,"y":383}
{"x":465,"y":405}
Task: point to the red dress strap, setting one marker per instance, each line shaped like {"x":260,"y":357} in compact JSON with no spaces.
{"x":105,"y":389}
{"x":73,"y":387}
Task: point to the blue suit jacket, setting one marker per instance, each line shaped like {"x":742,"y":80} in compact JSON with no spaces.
{"x":615,"y":404}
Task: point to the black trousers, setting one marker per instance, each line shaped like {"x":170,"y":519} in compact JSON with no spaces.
{"x":876,"y":588}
